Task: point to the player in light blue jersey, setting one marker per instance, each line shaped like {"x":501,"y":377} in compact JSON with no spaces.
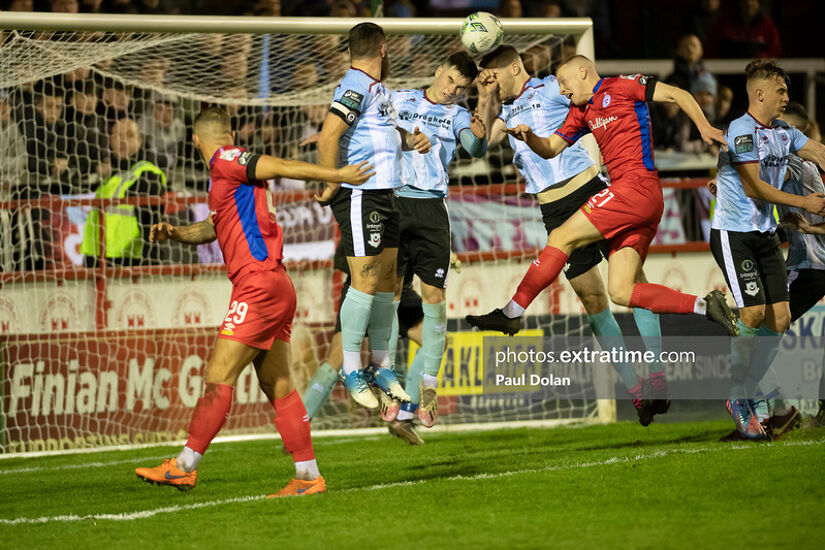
{"x":361,"y":124}
{"x":425,"y":224}
{"x":508,"y":96}
{"x":743,"y":235}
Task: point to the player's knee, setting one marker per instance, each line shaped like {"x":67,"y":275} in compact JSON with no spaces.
{"x":593,"y":302}
{"x":620,"y":294}
{"x":781,"y":321}
{"x":752,"y":316}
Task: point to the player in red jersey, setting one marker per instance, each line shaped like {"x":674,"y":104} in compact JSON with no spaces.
{"x":257,"y":328}
{"x":627,"y":213}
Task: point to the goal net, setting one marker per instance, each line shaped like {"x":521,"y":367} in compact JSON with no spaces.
{"x":103,"y":336}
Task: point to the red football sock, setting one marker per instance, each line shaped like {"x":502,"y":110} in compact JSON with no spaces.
{"x":209,"y":417}
{"x":542,"y":272}
{"x":661,"y":299}
{"x":292,"y":423}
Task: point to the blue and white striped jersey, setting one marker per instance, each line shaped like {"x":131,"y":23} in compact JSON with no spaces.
{"x":442,"y":124}
{"x":804,"y":251}
{"x":541,"y":107}
{"x":364,"y":104}
{"x":750,"y":142}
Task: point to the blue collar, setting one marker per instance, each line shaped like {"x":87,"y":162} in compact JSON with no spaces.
{"x":595,"y":89}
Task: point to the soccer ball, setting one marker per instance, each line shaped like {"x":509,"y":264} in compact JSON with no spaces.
{"x":481,"y":32}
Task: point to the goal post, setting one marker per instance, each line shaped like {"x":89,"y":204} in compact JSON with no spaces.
{"x":102,"y":342}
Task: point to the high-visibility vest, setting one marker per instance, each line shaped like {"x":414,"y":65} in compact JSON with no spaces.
{"x":123,"y":238}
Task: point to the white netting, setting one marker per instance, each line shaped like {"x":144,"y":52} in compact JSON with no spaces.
{"x":101,"y":352}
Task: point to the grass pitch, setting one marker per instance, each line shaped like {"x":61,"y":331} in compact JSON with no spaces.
{"x":620,"y":485}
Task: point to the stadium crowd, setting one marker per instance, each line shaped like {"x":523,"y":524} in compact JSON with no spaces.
{"x":78,"y":133}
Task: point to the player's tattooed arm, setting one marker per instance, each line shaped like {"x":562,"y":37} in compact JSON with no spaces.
{"x":545,"y":147}
{"x":815,"y":152}
{"x":415,"y":141}
{"x":755,"y":188}
{"x":196,"y":233}
{"x":665,"y":93}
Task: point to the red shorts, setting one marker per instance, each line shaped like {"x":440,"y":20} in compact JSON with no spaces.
{"x":628,"y":212}
{"x":261,"y":309}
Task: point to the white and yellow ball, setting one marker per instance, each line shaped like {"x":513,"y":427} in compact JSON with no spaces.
{"x":481,"y":32}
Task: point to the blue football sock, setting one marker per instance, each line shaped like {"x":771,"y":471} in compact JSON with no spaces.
{"x":380,"y":328}
{"x":355,"y":317}
{"x":319,"y":388}
{"x":433,"y":335}
{"x":651,"y":332}
{"x":741,"y":355}
{"x":392,"y":345}
{"x":609,"y":335}
{"x":765,"y":348}
{"x":414,"y":377}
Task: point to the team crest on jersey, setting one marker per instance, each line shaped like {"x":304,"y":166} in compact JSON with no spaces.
{"x":606,"y":100}
{"x":375,"y":240}
{"x":743,"y":144}
{"x":243,"y":159}
{"x":751,"y":289}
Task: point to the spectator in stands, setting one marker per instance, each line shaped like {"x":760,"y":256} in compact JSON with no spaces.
{"x":667,"y":123}
{"x":745,"y":34}
{"x":45,"y":132}
{"x":163,"y":130}
{"x":116,"y":101}
{"x":21,"y":5}
{"x":86,"y":135}
{"x":90,"y":6}
{"x":549,"y":9}
{"x":13,"y":152}
{"x":703,"y":18}
{"x":65,"y":6}
{"x":126,"y":227}
{"x":510,"y":8}
{"x":688,"y":139}
{"x":343,"y":8}
{"x":724,"y":101}
{"x":400,"y":8}
{"x":687,"y":64}
{"x":537,"y":60}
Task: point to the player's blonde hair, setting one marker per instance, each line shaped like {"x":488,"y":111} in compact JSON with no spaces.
{"x":213,"y":121}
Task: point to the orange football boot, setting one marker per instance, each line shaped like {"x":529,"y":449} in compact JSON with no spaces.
{"x":298,"y":487}
{"x":168,"y":473}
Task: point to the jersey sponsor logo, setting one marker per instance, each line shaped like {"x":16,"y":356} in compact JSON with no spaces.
{"x":244,"y":158}
{"x":642,"y":78}
{"x":375,"y":217}
{"x":772,"y":161}
{"x":747,"y":265}
{"x":606,"y":100}
{"x":229,"y":154}
{"x":600,"y":122}
{"x":351,"y":99}
{"x":743,"y":144}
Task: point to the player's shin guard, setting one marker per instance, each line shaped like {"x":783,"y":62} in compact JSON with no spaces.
{"x":741,"y":355}
{"x":434,"y":335}
{"x":541,"y":273}
{"x":661,"y":299}
{"x":765,"y":348}
{"x":379,"y":328}
{"x":355,"y":317}
{"x":209,"y":417}
{"x":292,"y":423}
{"x":319,"y":388}
{"x":609,"y":335}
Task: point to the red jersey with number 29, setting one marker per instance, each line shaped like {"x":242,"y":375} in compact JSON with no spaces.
{"x":618,"y":118}
{"x":248,"y":233}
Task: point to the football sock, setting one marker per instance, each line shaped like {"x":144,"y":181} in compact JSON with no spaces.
{"x":434,"y":335}
{"x":651,"y":332}
{"x":741,"y":353}
{"x":188,"y":460}
{"x":609,"y":335}
{"x":512,"y":310}
{"x":355,"y":316}
{"x":209,"y":417}
{"x":380,"y":328}
{"x":392,"y":346}
{"x":292,"y":423}
{"x":541,"y":273}
{"x":414,"y":377}
{"x":306,"y":470}
{"x":429,"y":381}
{"x":319,"y":388}
{"x":765,"y":348}
{"x":700,"y":307}
{"x":407,"y":410}
{"x":661,"y":299}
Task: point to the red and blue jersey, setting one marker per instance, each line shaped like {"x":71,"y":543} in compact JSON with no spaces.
{"x":618,"y":118}
{"x":248,"y":233}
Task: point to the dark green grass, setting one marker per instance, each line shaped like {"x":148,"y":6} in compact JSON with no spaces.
{"x":666,"y":486}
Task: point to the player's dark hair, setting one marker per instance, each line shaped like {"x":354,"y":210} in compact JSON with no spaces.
{"x":761,"y":69}
{"x":799,"y":111}
{"x":464,"y":64}
{"x":503,"y":55}
{"x":214,"y":115}
{"x":365,"y":40}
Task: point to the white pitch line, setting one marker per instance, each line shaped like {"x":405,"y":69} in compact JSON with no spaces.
{"x":143,"y":514}
{"x":80,"y":466}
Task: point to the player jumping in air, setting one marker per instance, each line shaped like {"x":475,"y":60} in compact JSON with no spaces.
{"x":627,"y":213}
{"x":743,"y":236}
{"x":257,"y":327}
{"x":360,"y":126}
{"x":508,"y":96}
